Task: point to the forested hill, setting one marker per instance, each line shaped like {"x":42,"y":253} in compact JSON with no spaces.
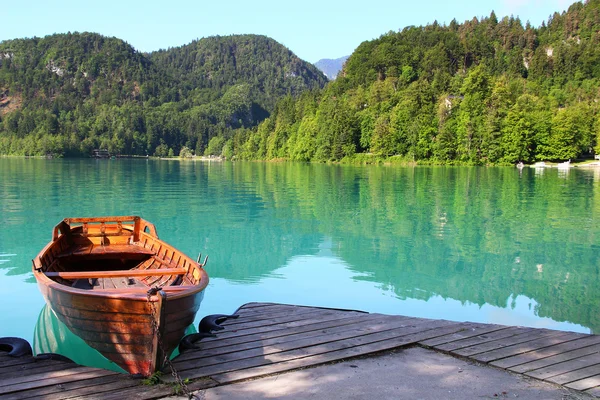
{"x":486,"y":91}
{"x":67,"y":94}
{"x":63,"y":70}
{"x":214,"y":63}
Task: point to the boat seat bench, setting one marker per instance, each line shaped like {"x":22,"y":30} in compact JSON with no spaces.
{"x":98,"y":251}
{"x":128,"y":273}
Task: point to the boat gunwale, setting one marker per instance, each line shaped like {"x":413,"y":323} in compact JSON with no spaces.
{"x":135,"y":294}
{"x":132,"y":294}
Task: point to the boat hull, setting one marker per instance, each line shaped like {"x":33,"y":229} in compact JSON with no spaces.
{"x":135,"y":327}
{"x":122,"y":330}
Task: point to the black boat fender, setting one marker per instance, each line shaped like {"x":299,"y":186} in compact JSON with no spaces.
{"x":189,"y":341}
{"x":213,"y":322}
{"x":16,"y":347}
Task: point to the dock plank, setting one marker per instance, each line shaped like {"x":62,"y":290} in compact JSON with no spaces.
{"x":238,"y":329}
{"x":270,"y":312}
{"x":233,"y":344}
{"x":524,"y":347}
{"x":566,"y":367}
{"x":473,"y":331}
{"x":281,"y":326}
{"x":54,"y":378}
{"x":547,"y":362}
{"x":285,"y":352}
{"x":479,"y":339}
{"x":542,"y":357}
{"x":77,"y":388}
{"x":33,"y":368}
{"x":326,"y":357}
{"x":364,"y":331}
{"x":487,"y":346}
{"x":11,"y":362}
{"x":592,"y":382}
{"x":592,"y":371}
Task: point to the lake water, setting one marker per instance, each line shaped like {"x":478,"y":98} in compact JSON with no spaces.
{"x":460,"y":243}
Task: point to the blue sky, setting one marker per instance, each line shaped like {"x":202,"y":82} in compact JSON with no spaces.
{"x":312,"y":29}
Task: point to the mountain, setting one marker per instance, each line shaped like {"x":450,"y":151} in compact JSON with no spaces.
{"x":67,"y":94}
{"x":482,"y":92}
{"x":215,"y":63}
{"x":330,"y":67}
{"x":71,"y":68}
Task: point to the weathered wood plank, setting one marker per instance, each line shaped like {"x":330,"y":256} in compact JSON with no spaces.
{"x":539,"y":354}
{"x":476,"y":329}
{"x":319,"y":328}
{"x":28,"y":368}
{"x":131,"y":393}
{"x":530,"y":335}
{"x":333,"y":355}
{"x":220,"y":346}
{"x":33,"y":368}
{"x":67,"y":390}
{"x":583,"y":373}
{"x":284,"y":324}
{"x":280,"y":324}
{"x":393,"y":338}
{"x":566,"y":367}
{"x":268,"y":308}
{"x":360,"y":330}
{"x":525,"y":347}
{"x":474,"y":340}
{"x":276,"y":318}
{"x":556,"y":359}
{"x":10,"y":362}
{"x":287,"y":342}
{"x":51,"y":378}
{"x":592,"y":382}
{"x":143,"y":392}
{"x":250,"y":321}
{"x":242,"y":324}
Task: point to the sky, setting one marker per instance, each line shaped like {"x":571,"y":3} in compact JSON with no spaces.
{"x":312,"y":29}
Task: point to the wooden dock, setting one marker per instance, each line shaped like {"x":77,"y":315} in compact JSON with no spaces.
{"x":273,"y":338}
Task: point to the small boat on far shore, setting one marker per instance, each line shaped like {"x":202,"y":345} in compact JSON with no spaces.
{"x":566,"y":164}
{"x":121,"y":289}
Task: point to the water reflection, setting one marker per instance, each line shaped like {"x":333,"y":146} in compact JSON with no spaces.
{"x":52,"y":336}
{"x":5,"y":258}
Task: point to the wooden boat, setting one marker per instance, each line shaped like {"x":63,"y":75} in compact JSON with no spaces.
{"x":120,"y":288}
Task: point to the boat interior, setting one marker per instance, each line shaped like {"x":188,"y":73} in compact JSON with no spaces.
{"x":109,"y":254}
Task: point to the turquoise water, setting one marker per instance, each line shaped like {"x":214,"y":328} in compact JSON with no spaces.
{"x":459,"y":243}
